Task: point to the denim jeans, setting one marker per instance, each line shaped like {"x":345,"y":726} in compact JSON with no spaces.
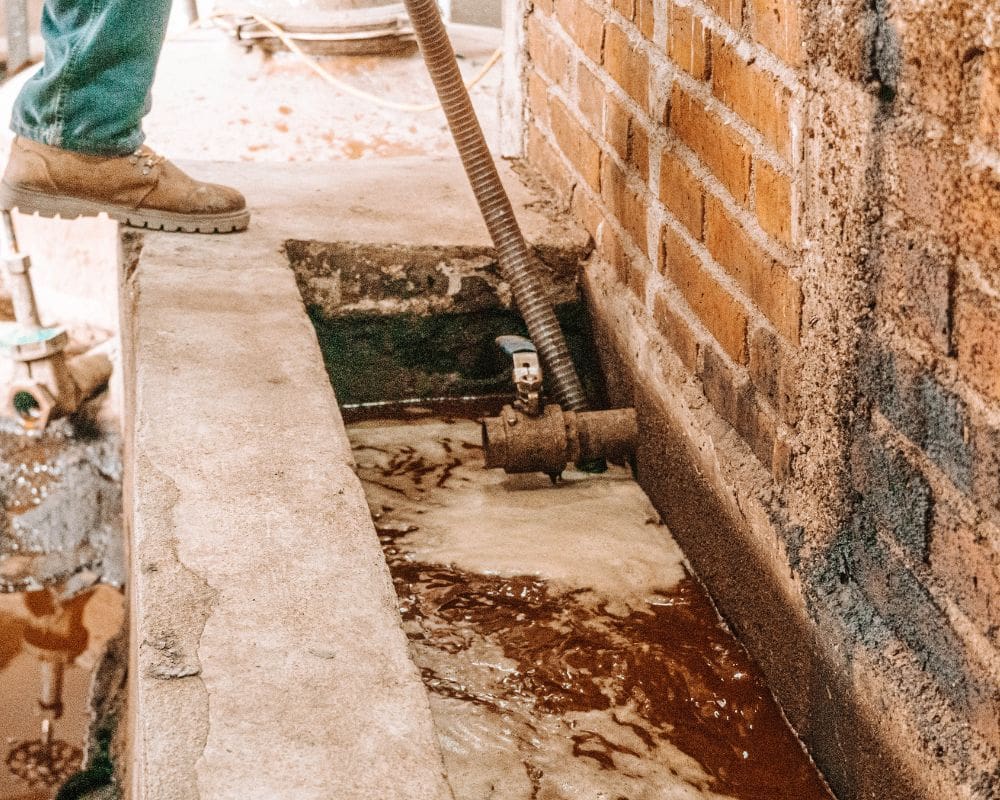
{"x":93,"y":91}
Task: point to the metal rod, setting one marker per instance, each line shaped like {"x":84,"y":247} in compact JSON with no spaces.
{"x":18,"y":35}
{"x":16,"y":267}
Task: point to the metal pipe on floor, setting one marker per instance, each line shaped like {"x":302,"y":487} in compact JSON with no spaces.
{"x":516,"y":261}
{"x":517,"y":442}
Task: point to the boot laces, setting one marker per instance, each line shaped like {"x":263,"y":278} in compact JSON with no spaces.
{"x":146,"y":158}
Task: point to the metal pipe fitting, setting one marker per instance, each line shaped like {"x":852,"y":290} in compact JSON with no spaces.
{"x":46,"y":385}
{"x":52,"y":387}
{"x":517,"y":442}
{"x":516,"y":261}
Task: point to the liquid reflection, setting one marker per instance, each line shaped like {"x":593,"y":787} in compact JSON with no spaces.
{"x":541,"y":689}
{"x":48,"y":647}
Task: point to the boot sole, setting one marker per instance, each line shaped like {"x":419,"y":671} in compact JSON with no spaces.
{"x":51,"y":205}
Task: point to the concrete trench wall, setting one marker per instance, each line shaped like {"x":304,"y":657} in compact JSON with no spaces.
{"x":796,"y":208}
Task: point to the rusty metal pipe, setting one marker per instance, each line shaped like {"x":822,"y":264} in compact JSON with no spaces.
{"x":517,"y":442}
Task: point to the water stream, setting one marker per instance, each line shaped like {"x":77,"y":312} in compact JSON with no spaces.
{"x":567,"y":650}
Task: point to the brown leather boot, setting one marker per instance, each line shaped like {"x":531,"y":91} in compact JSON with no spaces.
{"x":143,"y":190}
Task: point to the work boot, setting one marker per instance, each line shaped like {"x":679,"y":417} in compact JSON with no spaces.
{"x":143,"y":190}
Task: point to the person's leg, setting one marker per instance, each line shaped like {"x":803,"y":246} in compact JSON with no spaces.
{"x":93,"y":91}
{"x":79,"y":122}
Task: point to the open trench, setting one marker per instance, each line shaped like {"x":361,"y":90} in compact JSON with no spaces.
{"x":567,"y":650}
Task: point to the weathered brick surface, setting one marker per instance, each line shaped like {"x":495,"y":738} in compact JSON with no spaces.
{"x":896,"y":499}
{"x":775,"y":24}
{"x":688,"y":41}
{"x":915,"y":285}
{"x":977,"y":334}
{"x":772,"y":370}
{"x":717,"y":309}
{"x":989,"y":98}
{"x":681,"y":192}
{"x":758,"y":97}
{"x":724,"y":151}
{"x":764,"y":279}
{"x":676,"y":331}
{"x":801,"y":204}
{"x":736,"y":401}
{"x":932,"y":416}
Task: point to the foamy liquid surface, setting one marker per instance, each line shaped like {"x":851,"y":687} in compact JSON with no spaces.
{"x":567,"y":651}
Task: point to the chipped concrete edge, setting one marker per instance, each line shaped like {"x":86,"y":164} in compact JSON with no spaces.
{"x":170,"y":713}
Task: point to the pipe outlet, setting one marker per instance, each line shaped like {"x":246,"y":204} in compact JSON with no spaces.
{"x":518,"y":443}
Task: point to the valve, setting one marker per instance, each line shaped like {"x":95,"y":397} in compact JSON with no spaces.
{"x":527,"y":373}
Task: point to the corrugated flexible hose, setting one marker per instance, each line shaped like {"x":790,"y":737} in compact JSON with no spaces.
{"x":516,"y":261}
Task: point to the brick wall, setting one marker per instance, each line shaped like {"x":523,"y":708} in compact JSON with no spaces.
{"x":796,"y":208}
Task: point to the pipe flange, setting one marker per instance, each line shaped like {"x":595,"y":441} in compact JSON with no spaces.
{"x":31,"y":403}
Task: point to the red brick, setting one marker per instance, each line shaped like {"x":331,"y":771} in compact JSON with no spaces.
{"x":623,"y":203}
{"x":681,"y":192}
{"x":626,"y":66}
{"x":584,"y":25}
{"x":586,"y":210}
{"x":688,"y":41}
{"x":591,"y":96}
{"x":548,"y":55}
{"x":638,"y":278}
{"x":731,"y":11}
{"x":543,"y":156}
{"x":755,"y":95}
{"x":638,"y":149}
{"x":616,"y":124}
{"x":773,"y":372}
{"x":644,"y":17}
{"x":724,"y":152}
{"x":538,"y":97}
{"x":735,"y":400}
{"x":578,"y":146}
{"x":624,"y":7}
{"x":765,"y":281}
{"x":775,"y":24}
{"x":773,"y":192}
{"x":676,"y":331}
{"x":977,"y":332}
{"x":718,"y":310}
{"x":626,"y":137}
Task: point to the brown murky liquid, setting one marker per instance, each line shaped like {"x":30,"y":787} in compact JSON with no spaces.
{"x":48,"y":651}
{"x":668,"y":676}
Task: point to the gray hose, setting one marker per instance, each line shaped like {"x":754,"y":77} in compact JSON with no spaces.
{"x":516,"y":262}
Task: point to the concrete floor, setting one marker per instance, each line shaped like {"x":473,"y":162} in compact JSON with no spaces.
{"x":214,"y":101}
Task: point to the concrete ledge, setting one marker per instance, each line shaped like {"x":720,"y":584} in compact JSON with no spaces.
{"x":267,"y":658}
